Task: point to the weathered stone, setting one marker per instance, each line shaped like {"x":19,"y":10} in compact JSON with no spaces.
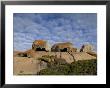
{"x":61,"y":47}
{"x":86,"y":48}
{"x":83,"y":56}
{"x":39,"y":45}
{"x":22,"y":54}
{"x":92,"y":53}
{"x":30,"y":53}
{"x":72,"y":50}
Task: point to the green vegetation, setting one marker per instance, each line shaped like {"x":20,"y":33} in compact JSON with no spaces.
{"x":60,"y":67}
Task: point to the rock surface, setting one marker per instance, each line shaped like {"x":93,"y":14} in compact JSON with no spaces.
{"x":92,"y":53}
{"x":61,"y":46}
{"x":86,"y":48}
{"x":39,"y":44}
{"x":27,"y":66}
{"x":30,"y":62}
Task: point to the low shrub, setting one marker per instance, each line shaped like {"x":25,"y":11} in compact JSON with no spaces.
{"x":85,"y":67}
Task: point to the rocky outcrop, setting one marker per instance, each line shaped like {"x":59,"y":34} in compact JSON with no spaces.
{"x":33,"y":60}
{"x":63,"y":47}
{"x":86,"y":48}
{"x":39,"y":45}
{"x":21,"y":54}
{"x":72,"y":50}
{"x":83,"y":56}
{"x":92,"y":53}
{"x":27,"y":66}
{"x":29,"y":53}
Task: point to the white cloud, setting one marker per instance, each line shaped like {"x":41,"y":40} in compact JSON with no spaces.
{"x":76,"y":28}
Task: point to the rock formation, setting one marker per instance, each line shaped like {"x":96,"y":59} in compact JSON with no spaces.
{"x":39,"y":45}
{"x":21,"y":54}
{"x":30,"y":53}
{"x":72,"y":49}
{"x":92,"y":53}
{"x":83,"y":56}
{"x":86,"y":48}
{"x":33,"y":60}
{"x":63,"y":47}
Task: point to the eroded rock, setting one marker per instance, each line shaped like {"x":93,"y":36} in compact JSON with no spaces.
{"x":63,"y":47}
{"x":39,"y":45}
{"x":86,"y":48}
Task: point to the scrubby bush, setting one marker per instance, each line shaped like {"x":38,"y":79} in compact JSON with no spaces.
{"x":55,"y":70}
{"x":85,"y":67}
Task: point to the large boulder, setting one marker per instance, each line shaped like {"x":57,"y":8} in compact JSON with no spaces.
{"x":72,"y":49}
{"x":30,"y":53}
{"x":61,"y":47}
{"x":22,"y":54}
{"x":39,"y":45}
{"x":86,"y":48}
{"x":27,"y":66}
{"x":83,"y":56}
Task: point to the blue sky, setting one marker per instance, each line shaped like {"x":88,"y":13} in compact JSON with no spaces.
{"x":77,"y":28}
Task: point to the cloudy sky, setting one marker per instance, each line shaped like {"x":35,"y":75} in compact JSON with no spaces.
{"x":78,"y":28}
